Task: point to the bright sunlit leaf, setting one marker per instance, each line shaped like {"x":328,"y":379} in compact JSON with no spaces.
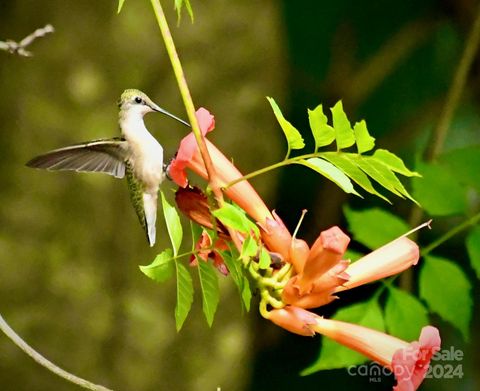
{"x":341,"y":161}
{"x":184,"y":294}
{"x":264,"y":259}
{"x":332,"y":354}
{"x":249,"y":248}
{"x":331,"y":172}
{"x":179,"y":4}
{"x":162,"y":267}
{"x":294,"y":138}
{"x":234,"y":217}
{"x":210,"y":290}
{"x":174,"y":227}
{"x":343,"y":129}
{"x":405,"y":315}
{"x":364,"y":141}
{"x":323,"y":133}
{"x":393,"y":162}
{"x":120,"y":5}
{"x":446,"y":289}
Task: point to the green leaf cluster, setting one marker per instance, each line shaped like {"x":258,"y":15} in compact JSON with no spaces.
{"x":167,"y":263}
{"x":342,"y":167}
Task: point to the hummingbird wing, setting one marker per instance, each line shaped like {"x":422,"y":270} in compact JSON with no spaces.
{"x":106,"y":155}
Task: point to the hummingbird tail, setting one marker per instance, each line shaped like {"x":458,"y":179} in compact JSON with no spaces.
{"x":150,"y":210}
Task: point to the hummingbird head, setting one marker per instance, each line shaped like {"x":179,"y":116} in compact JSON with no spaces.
{"x":135,"y":102}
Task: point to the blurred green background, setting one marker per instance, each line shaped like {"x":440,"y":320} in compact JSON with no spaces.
{"x":70,"y":244}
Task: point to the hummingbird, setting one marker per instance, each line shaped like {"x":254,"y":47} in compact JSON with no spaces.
{"x":136,"y":155}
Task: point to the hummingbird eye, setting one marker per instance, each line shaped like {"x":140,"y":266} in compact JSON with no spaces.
{"x":138,"y":100}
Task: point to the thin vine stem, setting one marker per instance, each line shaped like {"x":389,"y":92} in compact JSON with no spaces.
{"x":271,"y":167}
{"x":185,"y":93}
{"x":449,"y":234}
{"x":17,"y":340}
{"x":213,"y":180}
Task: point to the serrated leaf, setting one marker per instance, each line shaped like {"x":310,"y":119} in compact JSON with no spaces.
{"x":393,"y":162}
{"x":439,"y":191}
{"x":329,"y":171}
{"x":333,"y":355}
{"x":340,"y":160}
{"x":374,"y":227}
{"x":473,"y":248}
{"x":264,"y":259}
{"x":120,"y":5}
{"x":382,"y":175}
{"x":174,"y":227}
{"x":184,"y":295}
{"x":405,"y":315}
{"x":294,"y":138}
{"x":162,"y":267}
{"x":323,"y":133}
{"x":210,"y":290}
{"x":446,"y":289}
{"x":364,"y":141}
{"x":464,"y":163}
{"x":343,"y":130}
{"x":249,"y":248}
{"x":233,"y":217}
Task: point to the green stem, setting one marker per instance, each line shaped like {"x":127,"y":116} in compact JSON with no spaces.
{"x":263,"y":170}
{"x":455,"y":230}
{"x":17,"y":340}
{"x":184,"y":91}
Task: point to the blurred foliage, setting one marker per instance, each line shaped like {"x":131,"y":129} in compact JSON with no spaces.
{"x":71,"y":286}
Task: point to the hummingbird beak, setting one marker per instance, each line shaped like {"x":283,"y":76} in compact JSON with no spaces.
{"x":158,"y":109}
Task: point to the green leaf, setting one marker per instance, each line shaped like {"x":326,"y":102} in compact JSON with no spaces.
{"x":184,"y":295}
{"x":264,"y":260}
{"x":331,"y":172}
{"x":364,"y":141}
{"x":234,"y":217}
{"x":197,"y":231}
{"x":446,"y":289}
{"x":405,"y":315}
{"x":374,"y":227}
{"x":341,"y":161}
{"x":162,"y":267}
{"x":249,"y":248}
{"x":382,"y":174}
{"x":178,"y":7}
{"x":464,"y":163}
{"x":473,"y":248}
{"x":343,"y":130}
{"x":174,"y":227}
{"x":323,"y":133}
{"x":439,"y":191}
{"x":120,"y":5}
{"x":294,"y":138}
{"x":333,"y":355}
{"x":393,"y":162}
{"x":210,"y":290}
{"x":246,"y":293}
{"x":236,"y":271}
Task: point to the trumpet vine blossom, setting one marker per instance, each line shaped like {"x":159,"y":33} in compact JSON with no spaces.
{"x":300,"y":277}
